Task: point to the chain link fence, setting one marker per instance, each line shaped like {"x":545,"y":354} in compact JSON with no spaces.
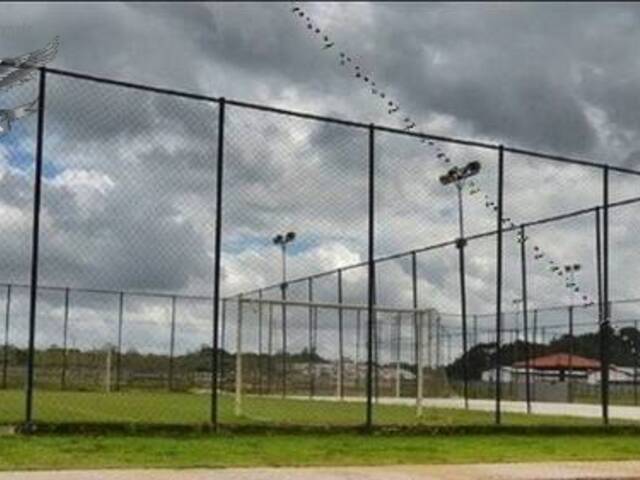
{"x":151,"y":274}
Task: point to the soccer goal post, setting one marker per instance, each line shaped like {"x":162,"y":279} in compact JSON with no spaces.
{"x":319,"y":351}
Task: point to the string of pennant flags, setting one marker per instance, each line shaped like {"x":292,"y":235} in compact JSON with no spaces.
{"x":393,"y":108}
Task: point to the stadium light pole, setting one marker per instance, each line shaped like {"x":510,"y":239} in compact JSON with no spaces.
{"x":282,"y":241}
{"x":458,"y":177}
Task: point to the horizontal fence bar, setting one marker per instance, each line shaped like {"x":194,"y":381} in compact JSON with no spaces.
{"x":335,"y":305}
{"x":335,"y":120}
{"x":448,"y":243}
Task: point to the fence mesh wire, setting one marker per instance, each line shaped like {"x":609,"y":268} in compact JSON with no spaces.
{"x":124,"y":318}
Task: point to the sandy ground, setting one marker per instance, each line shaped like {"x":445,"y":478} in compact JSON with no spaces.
{"x":522,"y":471}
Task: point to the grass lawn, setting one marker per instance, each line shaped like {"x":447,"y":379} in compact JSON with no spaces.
{"x":244,"y":450}
{"x":191,"y":409}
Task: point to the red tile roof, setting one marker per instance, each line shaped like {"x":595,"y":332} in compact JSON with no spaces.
{"x":560,"y":361}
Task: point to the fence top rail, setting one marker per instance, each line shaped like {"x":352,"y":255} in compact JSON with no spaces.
{"x":335,"y":120}
{"x":336,"y":306}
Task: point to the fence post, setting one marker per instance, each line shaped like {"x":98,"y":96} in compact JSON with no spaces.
{"x":260,"y":364}
{"x":119,"y":346}
{"x":371,"y":277}
{"x":420,"y":362}
{"x":357,"y":360}
{"x":460,"y":245}
{"x":311,"y":352}
{"x":216,"y":265}
{"x":172,"y":340}
{"x":340,"y":382}
{"x":414,"y":298}
{"x":635,"y":364}
{"x":270,"y":351}
{"x":65,"y":334}
{"x":571,"y":351}
{"x":398,"y":354}
{"x":605,"y":307}
{"x":525,"y":315}
{"x":222,"y":344}
{"x":35,"y":251}
{"x":498,"y":418}
{"x":7,"y":325}
{"x":238,"y":398}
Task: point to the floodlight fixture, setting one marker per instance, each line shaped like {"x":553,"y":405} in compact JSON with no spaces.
{"x":457,"y":175}
{"x":278,"y":240}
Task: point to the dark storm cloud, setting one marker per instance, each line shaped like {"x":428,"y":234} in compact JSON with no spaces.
{"x":135,"y":208}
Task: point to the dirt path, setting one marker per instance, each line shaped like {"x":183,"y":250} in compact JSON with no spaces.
{"x":522,"y":471}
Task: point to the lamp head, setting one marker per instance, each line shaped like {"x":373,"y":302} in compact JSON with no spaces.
{"x":278,"y":239}
{"x":290,"y":236}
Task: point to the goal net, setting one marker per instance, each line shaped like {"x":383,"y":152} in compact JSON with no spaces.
{"x":320,"y":351}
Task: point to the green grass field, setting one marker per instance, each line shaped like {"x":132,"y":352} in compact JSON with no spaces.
{"x":250,"y":450}
{"x":165,"y":408}
{"x":448,"y":436}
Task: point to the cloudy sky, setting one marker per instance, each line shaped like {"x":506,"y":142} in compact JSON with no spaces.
{"x":130,"y":177}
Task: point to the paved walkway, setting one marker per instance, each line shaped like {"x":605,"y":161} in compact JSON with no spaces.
{"x":540,"y":408}
{"x":521,"y":471}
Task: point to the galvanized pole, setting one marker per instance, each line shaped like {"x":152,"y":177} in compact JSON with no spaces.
{"x":498,"y":418}
{"x":35,"y":250}
{"x":270,"y":351}
{"x":371,"y":277}
{"x":260,"y":364}
{"x":420,"y":363}
{"x":606,"y":319}
{"x":222,"y":344}
{"x":215,"y":350}
{"x":311,"y":352}
{"x":119,"y":348}
{"x":460,"y":245}
{"x":571,"y":351}
{"x":525,"y":315}
{"x":65,"y":333}
{"x":172,"y":340}
{"x":238,"y":397}
{"x":340,"y":382}
{"x":357,"y":362}
{"x":7,"y":325}
{"x":398,"y":353}
{"x":635,"y":365}
{"x":414,"y":298}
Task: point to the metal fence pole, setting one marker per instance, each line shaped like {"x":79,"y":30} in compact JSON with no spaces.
{"x":283,"y":311}
{"x":525,"y":315}
{"x":371,"y":277}
{"x":238,"y":397}
{"x":420,"y":362}
{"x":398,"y":354}
{"x":216,"y":264}
{"x":357,"y":360}
{"x":35,"y":250}
{"x":119,"y":347}
{"x":571,"y":351}
{"x":7,"y":325}
{"x":460,"y":244}
{"x":606,"y":314}
{"x":222,"y":344}
{"x":65,"y":336}
{"x":414,"y":303}
{"x":635,"y":364}
{"x":172,"y":340}
{"x":270,"y":351}
{"x":498,"y":417}
{"x":311,"y":352}
{"x":260,"y":364}
{"x":340,"y":382}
